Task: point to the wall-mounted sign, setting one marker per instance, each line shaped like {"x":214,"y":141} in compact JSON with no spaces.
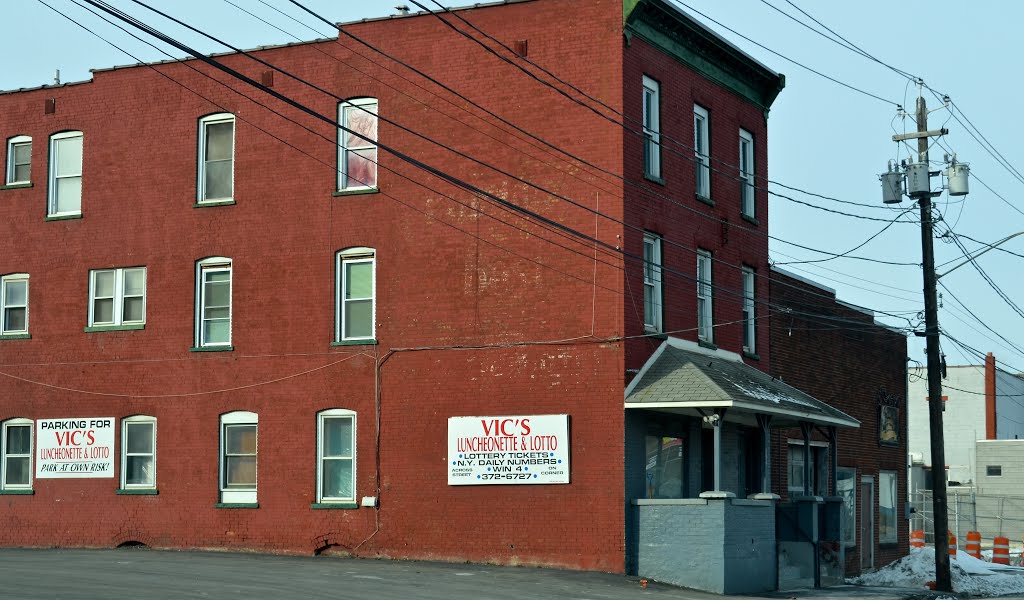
{"x":888,"y":418}
{"x":508,"y":450}
{"x":75,"y":448}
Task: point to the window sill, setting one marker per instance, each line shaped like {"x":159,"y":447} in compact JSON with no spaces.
{"x":95,"y":328}
{"x":356,"y":192}
{"x":751,"y":355}
{"x":15,"y":336}
{"x":213,"y":203}
{"x":138,"y":492}
{"x":212,"y":349}
{"x":654,"y":178}
{"x":236,"y":505}
{"x":17,"y":492}
{"x":372,"y":342}
{"x":16,"y":186}
{"x":63,"y":217}
{"x":707,"y":344}
{"x":750,"y":219}
{"x":705,"y":200}
{"x":334,"y":506}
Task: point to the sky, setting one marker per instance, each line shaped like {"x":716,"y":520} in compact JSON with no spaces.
{"x":823,"y":137}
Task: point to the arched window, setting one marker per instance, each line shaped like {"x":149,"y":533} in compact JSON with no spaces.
{"x":336,"y":456}
{"x":355,"y":304}
{"x":19,"y":160}
{"x":238,"y":445}
{"x":216,"y":158}
{"x":357,"y":147}
{"x":213,"y":303}
{"x":65,"y":198}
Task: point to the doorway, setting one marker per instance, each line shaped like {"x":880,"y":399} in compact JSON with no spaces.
{"x":867,"y":522}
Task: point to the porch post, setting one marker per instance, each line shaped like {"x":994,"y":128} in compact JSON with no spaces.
{"x":719,"y":414}
{"x":764,"y":422}
{"x":833,"y":459}
{"x":805,"y":428}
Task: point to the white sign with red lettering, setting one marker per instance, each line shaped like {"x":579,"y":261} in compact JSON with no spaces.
{"x":75,"y":448}
{"x":508,"y":450}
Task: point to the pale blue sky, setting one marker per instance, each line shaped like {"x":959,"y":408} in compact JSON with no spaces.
{"x":823,"y":138}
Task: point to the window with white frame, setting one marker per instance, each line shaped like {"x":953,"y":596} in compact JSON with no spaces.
{"x":747,"y":173}
{"x":138,"y":452}
{"x":749,"y":319}
{"x":652,"y":127}
{"x":888,"y":523}
{"x":357,"y":144}
{"x":65,"y":174}
{"x":14,"y":304}
{"x":336,"y":456}
{"x":16,"y":455}
{"x":652,"y":282}
{"x":216,"y":181}
{"x":846,"y":488}
{"x":705,"y":320}
{"x":238,"y":457}
{"x":19,"y":159}
{"x":117,"y":297}
{"x":213,"y":302}
{"x":355,"y":306}
{"x":702,"y":150}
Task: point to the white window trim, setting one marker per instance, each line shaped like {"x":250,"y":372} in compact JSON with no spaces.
{"x":118,"y":311}
{"x":321,"y":416}
{"x":702,"y":151}
{"x":201,"y":172}
{"x":235,"y":495}
{"x":342,"y":149}
{"x":52,"y":193}
{"x":3,"y":303}
{"x":747,"y":177}
{"x":124,"y":452}
{"x":11,"y":143}
{"x":749,"y":308}
{"x":705,"y":291}
{"x":653,"y":322}
{"x":652,"y":127}
{"x":3,"y":453}
{"x":359,"y":254}
{"x":215,"y":263}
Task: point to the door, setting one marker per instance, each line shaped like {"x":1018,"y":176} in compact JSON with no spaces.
{"x":867,"y":522}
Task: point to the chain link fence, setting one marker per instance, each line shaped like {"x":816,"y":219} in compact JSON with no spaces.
{"x":968,"y":511}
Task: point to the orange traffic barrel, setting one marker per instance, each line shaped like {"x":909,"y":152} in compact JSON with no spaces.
{"x":952,"y":546}
{"x":917,"y":538}
{"x":1001,"y":550}
{"x":974,"y":544}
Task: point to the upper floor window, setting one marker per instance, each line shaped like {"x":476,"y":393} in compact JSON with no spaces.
{"x":138,"y":452}
{"x":238,"y":457}
{"x":336,"y":452}
{"x":216,"y":158}
{"x":705,"y":320}
{"x":14,"y":303}
{"x":652,"y":127}
{"x":16,"y":455}
{"x":702,"y":150}
{"x":117,"y":297}
{"x":19,"y":159}
{"x":749,"y":321}
{"x":213,"y":302}
{"x":652,"y":282}
{"x":355,"y":304}
{"x":357,"y":147}
{"x":65,"y":174}
{"x":746,"y":173}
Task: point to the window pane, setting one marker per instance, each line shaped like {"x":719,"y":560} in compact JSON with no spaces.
{"x":22,"y":153}
{"x":359,"y":318}
{"x":103,"y":311}
{"x":337,"y":437}
{"x":217,"y":332}
{"x":103,"y":284}
{"x":361,"y":119}
{"x":649,"y":304}
{"x":846,"y":488}
{"x":217,"y":289}
{"x":132,"y":309}
{"x":16,"y":472}
{"x":358,"y":280}
{"x":886,"y":507}
{"x":21,"y":173}
{"x":15,"y":293}
{"x":134,"y":282}
{"x":337,"y":479}
{"x":219,"y":141}
{"x":218,"y":179}
{"x":361,"y":168}
{"x":139,"y":470}
{"x":664,"y":467}
{"x":19,"y":439}
{"x":140,"y":438}
{"x":240,"y":439}
{"x":69,"y":195}
{"x":241,"y":472}
{"x":14,"y":319}
{"x":69,"y":156}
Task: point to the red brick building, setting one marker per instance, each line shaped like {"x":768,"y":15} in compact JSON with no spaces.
{"x":281,"y":317}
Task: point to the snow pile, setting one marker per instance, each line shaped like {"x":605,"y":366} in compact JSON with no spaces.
{"x":969,"y":575}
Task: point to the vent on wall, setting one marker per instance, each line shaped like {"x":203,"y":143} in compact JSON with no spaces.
{"x":267,"y":78}
{"x":50,"y":106}
{"x":521,"y":47}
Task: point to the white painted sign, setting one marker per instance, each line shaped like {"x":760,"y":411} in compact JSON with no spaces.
{"x":75,"y":448}
{"x":508,"y":450}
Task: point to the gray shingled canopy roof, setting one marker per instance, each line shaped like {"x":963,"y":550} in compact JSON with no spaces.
{"x":688,"y":382}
